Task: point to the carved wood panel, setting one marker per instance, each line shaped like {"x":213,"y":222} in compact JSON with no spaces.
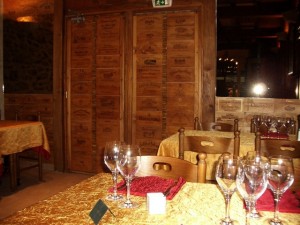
{"x":164,"y":71}
{"x":95,"y":89}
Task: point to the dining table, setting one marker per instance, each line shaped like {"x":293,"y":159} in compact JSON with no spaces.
{"x":194,"y":203}
{"x":17,"y":136}
{"x":170,"y":147}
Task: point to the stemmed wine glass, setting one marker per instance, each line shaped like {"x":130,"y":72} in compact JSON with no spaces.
{"x":269,"y":123}
{"x":258,"y":122}
{"x":278,"y":124}
{"x":280,"y":177}
{"x":111,"y":155}
{"x":128,"y":164}
{"x":251,"y":182}
{"x":255,"y":157}
{"x":226,"y":172}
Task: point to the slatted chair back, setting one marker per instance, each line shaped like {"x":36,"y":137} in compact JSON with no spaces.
{"x":217,"y":126}
{"x":170,"y":167}
{"x":208,"y":145}
{"x":289,"y":148}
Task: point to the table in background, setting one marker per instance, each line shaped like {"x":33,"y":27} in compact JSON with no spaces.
{"x":17,"y":136}
{"x":170,"y":147}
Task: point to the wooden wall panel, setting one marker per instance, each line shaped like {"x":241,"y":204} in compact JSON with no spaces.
{"x":182,"y":85}
{"x":145,"y":69}
{"x":80,"y":98}
{"x":165,"y":76}
{"x":109,"y":82}
{"x":149,"y":62}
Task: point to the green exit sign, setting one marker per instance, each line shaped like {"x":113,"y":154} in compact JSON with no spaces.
{"x":161,"y":3}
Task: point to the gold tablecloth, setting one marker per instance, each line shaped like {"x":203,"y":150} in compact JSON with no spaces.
{"x":194,"y":204}
{"x":16,"y":136}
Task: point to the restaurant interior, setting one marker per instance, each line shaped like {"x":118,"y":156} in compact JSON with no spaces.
{"x":147,"y":73}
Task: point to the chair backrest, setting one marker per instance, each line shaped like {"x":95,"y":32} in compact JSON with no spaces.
{"x":204,"y":145}
{"x":281,"y":147}
{"x":170,"y":167}
{"x":208,"y":144}
{"x":217,"y":126}
{"x":277,"y":147}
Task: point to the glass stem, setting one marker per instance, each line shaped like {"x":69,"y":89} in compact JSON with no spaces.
{"x":276,"y":211}
{"x":250,"y":206}
{"x":227,"y":203}
{"x":115,"y":179}
{"x":128,"y":181}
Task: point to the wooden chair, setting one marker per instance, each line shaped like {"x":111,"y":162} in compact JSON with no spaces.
{"x":208,"y":145}
{"x":29,"y":158}
{"x":218,"y":126}
{"x":170,"y":167}
{"x":289,"y":148}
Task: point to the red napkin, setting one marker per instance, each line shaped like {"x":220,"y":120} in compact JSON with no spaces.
{"x":275,"y":136}
{"x":288,"y":202}
{"x":140,"y":186}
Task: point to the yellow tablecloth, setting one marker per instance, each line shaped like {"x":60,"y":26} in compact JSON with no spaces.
{"x":16,"y":136}
{"x":194,"y":204}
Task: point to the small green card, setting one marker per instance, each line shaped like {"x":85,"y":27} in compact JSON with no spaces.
{"x":98,"y":211}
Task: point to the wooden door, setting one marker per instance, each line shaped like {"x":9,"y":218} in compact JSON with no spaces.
{"x":94,"y":89}
{"x":166,"y":76}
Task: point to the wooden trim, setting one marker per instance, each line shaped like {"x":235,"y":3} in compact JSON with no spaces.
{"x":129,"y":108}
{"x":58,"y":145}
{"x":208,"y":27}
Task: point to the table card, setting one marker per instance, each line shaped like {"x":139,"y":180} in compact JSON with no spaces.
{"x":156,"y":203}
{"x":98,"y":211}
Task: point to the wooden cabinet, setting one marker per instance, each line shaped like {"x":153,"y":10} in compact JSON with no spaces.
{"x":136,"y":76}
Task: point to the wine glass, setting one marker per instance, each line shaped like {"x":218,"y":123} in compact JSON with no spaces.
{"x":251,"y":182}
{"x":226,"y":172}
{"x":255,"y":157}
{"x":111,"y":154}
{"x":269,"y":122}
{"x":280,"y":177}
{"x":258,"y":122}
{"x":128,"y":164}
{"x":278,"y":124}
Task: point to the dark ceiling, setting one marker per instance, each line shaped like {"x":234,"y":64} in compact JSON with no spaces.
{"x":243,"y":23}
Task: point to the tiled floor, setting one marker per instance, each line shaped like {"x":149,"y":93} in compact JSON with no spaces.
{"x":31,"y":190}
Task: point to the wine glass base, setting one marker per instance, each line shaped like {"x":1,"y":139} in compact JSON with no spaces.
{"x":275,"y":222}
{"x":255,"y":215}
{"x":228,"y":222}
{"x":112,"y":197}
{"x":126,"y":205}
